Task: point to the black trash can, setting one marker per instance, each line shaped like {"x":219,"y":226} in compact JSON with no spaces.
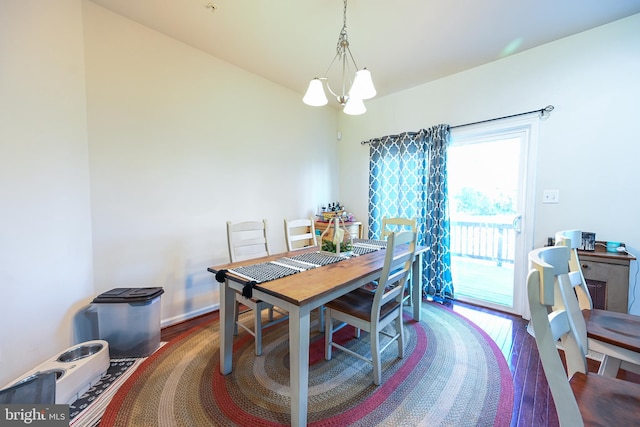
{"x":129,"y":320}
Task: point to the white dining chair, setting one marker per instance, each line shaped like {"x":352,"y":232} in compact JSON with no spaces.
{"x":300,"y":233}
{"x":395,"y":224}
{"x":374,"y":311}
{"x":615,"y":336}
{"x":580,"y":398}
{"x":248,"y":240}
{"x":391,"y":225}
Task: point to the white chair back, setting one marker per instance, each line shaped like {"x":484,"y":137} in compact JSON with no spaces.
{"x":391,"y":225}
{"x":247,"y":240}
{"x":300,"y":233}
{"x":550,"y":265}
{"x":397,"y":265}
{"x":572,"y":239}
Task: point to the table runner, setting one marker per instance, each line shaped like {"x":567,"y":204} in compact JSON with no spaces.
{"x":286,"y":266}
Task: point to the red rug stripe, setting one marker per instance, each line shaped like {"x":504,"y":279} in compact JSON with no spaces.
{"x":109,"y":417}
{"x":239,"y":415}
{"x":383,"y":392}
{"x":506,"y":383}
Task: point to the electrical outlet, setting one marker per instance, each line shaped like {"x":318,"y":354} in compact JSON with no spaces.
{"x":550,"y":196}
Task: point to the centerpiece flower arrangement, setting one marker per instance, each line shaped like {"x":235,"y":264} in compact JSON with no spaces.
{"x":338,"y":244}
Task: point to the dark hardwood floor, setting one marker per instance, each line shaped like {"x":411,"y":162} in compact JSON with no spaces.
{"x":533,"y":404}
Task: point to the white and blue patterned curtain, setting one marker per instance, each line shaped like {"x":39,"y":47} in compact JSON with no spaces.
{"x":408,"y":178}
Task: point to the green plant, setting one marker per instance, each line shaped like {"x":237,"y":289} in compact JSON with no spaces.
{"x":329,"y":246}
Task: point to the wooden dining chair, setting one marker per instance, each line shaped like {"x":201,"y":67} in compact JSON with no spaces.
{"x":300,"y":233}
{"x":248,"y":240}
{"x":581,"y":398}
{"x":374,"y":311}
{"x":391,"y":225}
{"x":616,"y":336}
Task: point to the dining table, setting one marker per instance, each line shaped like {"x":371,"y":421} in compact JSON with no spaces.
{"x":299,"y":294}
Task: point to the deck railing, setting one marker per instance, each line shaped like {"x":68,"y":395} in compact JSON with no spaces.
{"x":484,"y":240}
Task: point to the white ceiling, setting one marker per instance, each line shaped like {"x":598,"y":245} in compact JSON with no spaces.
{"x":403,"y":43}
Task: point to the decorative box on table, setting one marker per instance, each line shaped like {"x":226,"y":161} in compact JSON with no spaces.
{"x":328,"y":215}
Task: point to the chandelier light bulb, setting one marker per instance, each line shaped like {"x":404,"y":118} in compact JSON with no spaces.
{"x":363,"y":87}
{"x":354,"y":106}
{"x":315,"y":95}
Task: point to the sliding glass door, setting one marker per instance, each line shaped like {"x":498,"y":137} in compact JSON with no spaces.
{"x":489,"y":177}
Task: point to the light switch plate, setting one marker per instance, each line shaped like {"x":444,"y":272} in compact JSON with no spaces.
{"x":551,"y":196}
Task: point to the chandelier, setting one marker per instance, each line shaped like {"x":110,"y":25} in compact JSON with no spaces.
{"x":352,"y":93}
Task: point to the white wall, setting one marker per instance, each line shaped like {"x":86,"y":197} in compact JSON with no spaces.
{"x":124,"y":153}
{"x":181,"y":142}
{"x":588,"y":148}
{"x":45,"y":219}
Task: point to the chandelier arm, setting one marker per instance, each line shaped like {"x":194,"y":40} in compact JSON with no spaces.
{"x":326,"y":76}
{"x":326,"y":73}
{"x":346,"y":70}
{"x":353,"y":59}
{"x":344,"y":75}
{"x":330,"y":90}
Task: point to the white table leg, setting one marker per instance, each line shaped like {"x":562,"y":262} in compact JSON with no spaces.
{"x":299,"y":363}
{"x":416,"y":286}
{"x":227,"y":301}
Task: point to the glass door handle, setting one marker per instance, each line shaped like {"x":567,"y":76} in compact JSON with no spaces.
{"x":517,"y":222}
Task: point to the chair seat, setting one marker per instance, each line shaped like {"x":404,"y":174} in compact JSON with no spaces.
{"x":358,"y":303}
{"x":605,"y":401}
{"x":619,"y":329}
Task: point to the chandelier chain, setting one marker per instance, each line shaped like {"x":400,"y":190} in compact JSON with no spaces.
{"x":343,"y":38}
{"x":344,"y":14}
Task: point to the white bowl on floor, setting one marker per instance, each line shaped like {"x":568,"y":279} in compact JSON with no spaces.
{"x":77,"y":369}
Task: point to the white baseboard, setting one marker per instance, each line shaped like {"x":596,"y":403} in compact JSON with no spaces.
{"x":190,"y":315}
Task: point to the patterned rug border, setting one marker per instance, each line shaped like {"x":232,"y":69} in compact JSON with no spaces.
{"x":503,"y":412}
{"x":507,"y":380}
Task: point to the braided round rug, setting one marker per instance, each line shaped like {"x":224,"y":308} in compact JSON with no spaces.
{"x":452,"y":374}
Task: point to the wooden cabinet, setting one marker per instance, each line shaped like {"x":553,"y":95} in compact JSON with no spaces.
{"x":607,"y":277}
{"x":354,"y":228}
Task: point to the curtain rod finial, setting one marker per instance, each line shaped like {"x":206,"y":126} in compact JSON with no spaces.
{"x":546,"y":111}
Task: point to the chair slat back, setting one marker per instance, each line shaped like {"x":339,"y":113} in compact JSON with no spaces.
{"x":247,"y":240}
{"x":300,"y":233}
{"x":391,"y":225}
{"x":400,"y":251}
{"x":571,"y":239}
{"x":551,"y":325}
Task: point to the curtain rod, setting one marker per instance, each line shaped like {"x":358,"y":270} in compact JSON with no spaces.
{"x":543,"y":111}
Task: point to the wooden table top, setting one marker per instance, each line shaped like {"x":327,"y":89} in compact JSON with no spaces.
{"x":619,"y":329}
{"x":305,"y":287}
